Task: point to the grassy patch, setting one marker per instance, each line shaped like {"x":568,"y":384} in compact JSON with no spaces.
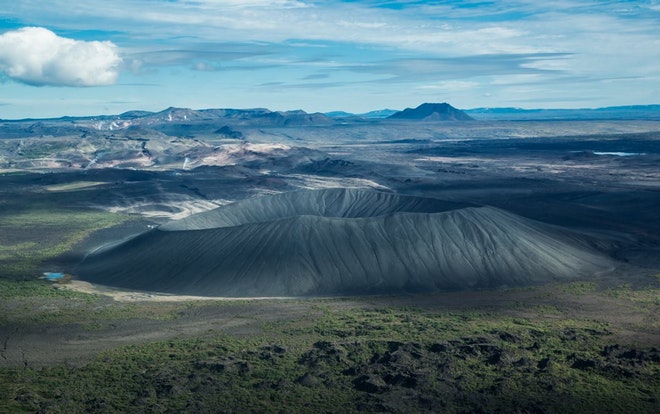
{"x":22,"y":289}
{"x":39,"y":302}
{"x":30,"y":237}
{"x":579,"y":288}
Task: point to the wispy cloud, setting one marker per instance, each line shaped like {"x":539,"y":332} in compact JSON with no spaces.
{"x":197,"y":57}
{"x":37,"y":56}
{"x":316,"y":76}
{"x":310,"y":85}
{"x":450,"y":86}
{"x":425,"y":69}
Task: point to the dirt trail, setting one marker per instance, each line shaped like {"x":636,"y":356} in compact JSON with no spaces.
{"x":130,"y":296}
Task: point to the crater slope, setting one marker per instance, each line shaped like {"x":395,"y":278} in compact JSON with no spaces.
{"x":342,"y":242}
{"x":331,"y":202}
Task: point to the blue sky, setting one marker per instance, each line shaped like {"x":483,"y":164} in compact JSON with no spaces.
{"x":87,"y":57}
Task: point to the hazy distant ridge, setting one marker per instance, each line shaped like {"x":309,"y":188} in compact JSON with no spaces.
{"x":442,"y":111}
{"x":612,"y":112}
{"x":432,"y":112}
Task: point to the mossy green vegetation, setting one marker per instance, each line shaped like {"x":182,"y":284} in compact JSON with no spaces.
{"x":32,"y":289}
{"x":38,"y":225}
{"x":352,"y":359}
{"x":38,"y":302}
{"x":579,"y":288}
{"x":32,"y":236}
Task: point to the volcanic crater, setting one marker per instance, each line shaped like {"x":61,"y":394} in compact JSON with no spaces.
{"x":334,"y":242}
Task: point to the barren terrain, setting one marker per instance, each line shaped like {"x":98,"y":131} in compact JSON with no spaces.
{"x":578,"y":338}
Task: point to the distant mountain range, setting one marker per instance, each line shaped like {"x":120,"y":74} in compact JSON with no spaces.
{"x":185,"y":122}
{"x":173,"y":115}
{"x":379,"y":114}
{"x":424,"y":112}
{"x":520,"y":114}
{"x":611,"y":112}
{"x":196,"y":120}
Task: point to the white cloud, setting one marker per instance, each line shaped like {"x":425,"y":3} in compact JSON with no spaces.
{"x":37,"y":56}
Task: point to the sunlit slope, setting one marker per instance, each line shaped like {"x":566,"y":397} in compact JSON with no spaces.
{"x":333,"y":202}
{"x":305,"y":254}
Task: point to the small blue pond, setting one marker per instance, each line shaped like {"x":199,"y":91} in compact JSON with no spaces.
{"x":53,"y":275}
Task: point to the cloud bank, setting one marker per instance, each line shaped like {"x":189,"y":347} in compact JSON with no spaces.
{"x":36,"y":56}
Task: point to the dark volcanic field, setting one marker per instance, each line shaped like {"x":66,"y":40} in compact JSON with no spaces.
{"x":445,"y":267}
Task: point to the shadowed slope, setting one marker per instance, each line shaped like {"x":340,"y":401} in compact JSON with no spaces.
{"x":469,"y":248}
